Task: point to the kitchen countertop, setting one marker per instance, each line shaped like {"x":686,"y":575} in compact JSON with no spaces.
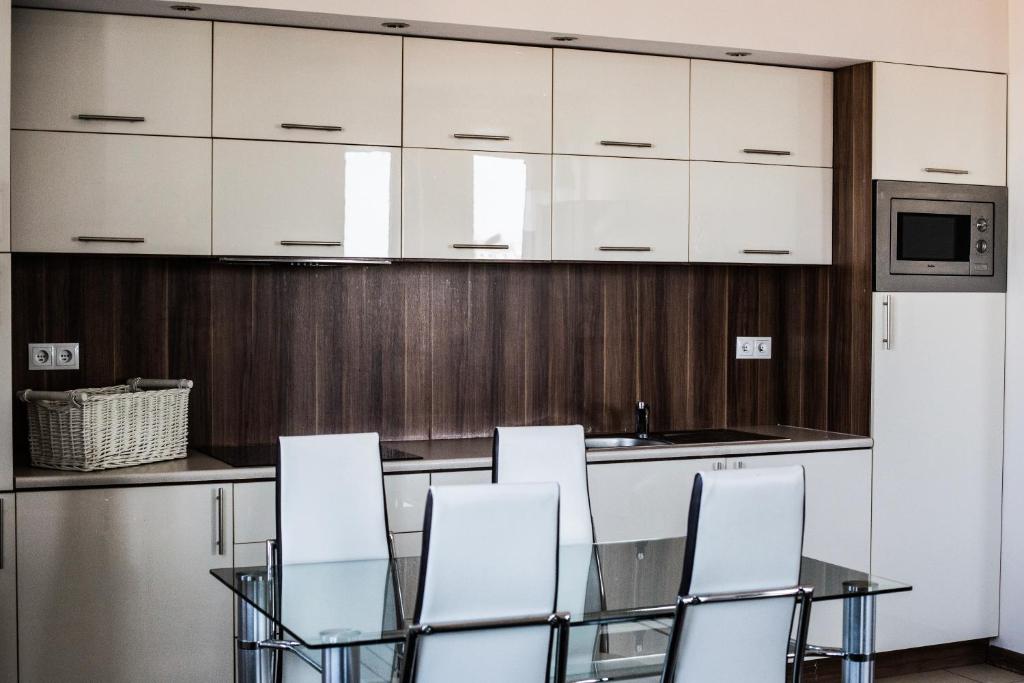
{"x":437,"y":455}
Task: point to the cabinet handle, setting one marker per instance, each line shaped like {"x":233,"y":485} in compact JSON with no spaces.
{"x":741,"y":465}
{"x":768,"y":252}
{"x":309,"y":243}
{"x":886,"y":322}
{"x":219,"y":527}
{"x":480,"y":136}
{"x":607,"y":248}
{"x":126,"y":240}
{"x":621,"y":143}
{"x":951,"y":171}
{"x":718,"y":466}
{"x":770,"y":152}
{"x":479,"y":246}
{"x":105,"y":117}
{"x":310,"y":126}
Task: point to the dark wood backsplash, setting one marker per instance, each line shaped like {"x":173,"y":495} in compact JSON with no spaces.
{"x":417,"y":350}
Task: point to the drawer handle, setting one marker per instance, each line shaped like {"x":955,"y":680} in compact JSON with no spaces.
{"x":310,"y":126}
{"x":622,"y":143}
{"x":479,"y":246}
{"x":770,"y":152}
{"x":124,"y":240}
{"x":480,"y":136}
{"x":768,"y":252}
{"x":309,"y":243}
{"x":607,"y":248}
{"x":951,"y":171}
{"x":105,"y":117}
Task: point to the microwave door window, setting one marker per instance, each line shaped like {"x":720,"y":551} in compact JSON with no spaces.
{"x":934,"y":238}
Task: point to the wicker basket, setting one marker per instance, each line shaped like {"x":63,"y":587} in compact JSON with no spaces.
{"x":143,"y":421}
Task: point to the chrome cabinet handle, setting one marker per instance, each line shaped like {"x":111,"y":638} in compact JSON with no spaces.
{"x":718,"y":466}
{"x":608,"y":248}
{"x":480,"y":136}
{"x":887,"y":322}
{"x":479,"y":246}
{"x":309,"y":243}
{"x":310,"y":126}
{"x":126,"y":240}
{"x":741,"y":465}
{"x":951,"y":171}
{"x":219,"y":526}
{"x":106,"y":117}
{"x":621,"y":143}
{"x":769,"y":252}
{"x":770,"y":152}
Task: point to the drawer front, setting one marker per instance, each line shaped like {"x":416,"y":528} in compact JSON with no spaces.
{"x":305,"y":199}
{"x":71,"y":64}
{"x":609,"y":209}
{"x":274,"y":82}
{"x":406,"y":498}
{"x":621,"y":105}
{"x":761,"y":114}
{"x":750,"y":213}
{"x":476,"y":205}
{"x":255,"y":512}
{"x":153,"y":191}
{"x":461,"y":95}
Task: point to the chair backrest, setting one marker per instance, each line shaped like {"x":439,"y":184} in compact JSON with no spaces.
{"x":490,"y":552}
{"x":330,"y":499}
{"x":558,"y":454}
{"x":745,"y":534}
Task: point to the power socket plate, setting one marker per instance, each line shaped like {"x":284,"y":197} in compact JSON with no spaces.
{"x":753,"y":348}
{"x":50,"y":356}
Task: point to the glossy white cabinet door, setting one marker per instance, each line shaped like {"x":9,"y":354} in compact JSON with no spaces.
{"x":760,"y":114}
{"x":6,"y":378}
{"x":937,"y":422}
{"x":942,"y":119}
{"x":305,"y":199}
{"x":612,"y":209}
{"x":269,"y":77}
{"x":476,"y":205}
{"x":480,"y":90}
{"x":8,"y":592}
{"x":255,"y":513}
{"x":121,"y":577}
{"x":67,"y":64}
{"x":69,"y":185}
{"x":755,"y":213}
{"x":406,"y":499}
{"x":614,"y":104}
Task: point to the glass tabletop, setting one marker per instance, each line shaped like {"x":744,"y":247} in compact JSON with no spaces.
{"x":372,"y":601}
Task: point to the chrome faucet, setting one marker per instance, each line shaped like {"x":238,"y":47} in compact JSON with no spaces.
{"x":643,"y":419}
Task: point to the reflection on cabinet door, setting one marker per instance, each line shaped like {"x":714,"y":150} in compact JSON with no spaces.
{"x":121,"y":578}
{"x":460,"y":95}
{"x":305,"y":199}
{"x":750,"y":213}
{"x":279,"y":83}
{"x":609,"y":209}
{"x":476,"y":205}
{"x":8,"y":592}
{"x":761,"y":114}
{"x":621,"y":105}
{"x":109,"y":73}
{"x":938,"y":125}
{"x":115,"y":194}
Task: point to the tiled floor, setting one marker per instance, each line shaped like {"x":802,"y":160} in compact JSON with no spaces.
{"x":981,"y":673}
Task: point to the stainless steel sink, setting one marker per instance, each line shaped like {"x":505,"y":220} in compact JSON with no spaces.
{"x":621,"y":442}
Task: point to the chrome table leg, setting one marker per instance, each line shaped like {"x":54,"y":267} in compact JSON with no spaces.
{"x":255,"y":665}
{"x":858,"y":634}
{"x":340,"y":664}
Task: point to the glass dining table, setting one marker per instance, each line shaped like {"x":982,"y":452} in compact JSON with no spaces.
{"x":346,"y":619}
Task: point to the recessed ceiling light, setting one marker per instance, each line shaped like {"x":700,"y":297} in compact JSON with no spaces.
{"x":395,"y":24}
{"x":185,"y":8}
{"x":564,"y":39}
{"x":738,"y":54}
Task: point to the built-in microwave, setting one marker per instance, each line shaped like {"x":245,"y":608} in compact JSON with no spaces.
{"x":939,"y":237}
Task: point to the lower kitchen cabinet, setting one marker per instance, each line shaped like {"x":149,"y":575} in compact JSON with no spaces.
{"x":8,"y":592}
{"x":114,"y":584}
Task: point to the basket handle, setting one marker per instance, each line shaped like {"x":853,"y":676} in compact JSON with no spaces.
{"x":137,"y":383}
{"x":74,"y":397}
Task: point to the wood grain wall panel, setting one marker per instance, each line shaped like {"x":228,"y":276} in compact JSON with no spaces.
{"x":803,"y":358}
{"x":189,"y":341}
{"x":231,"y":354}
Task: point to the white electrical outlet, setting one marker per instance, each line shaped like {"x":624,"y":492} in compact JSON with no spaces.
{"x":753,"y":347}
{"x":744,"y":347}
{"x":66,"y":356}
{"x":763,"y":347}
{"x":40,"y":356}
{"x":49,"y":356}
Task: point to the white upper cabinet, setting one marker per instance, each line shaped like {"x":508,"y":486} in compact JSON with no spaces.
{"x":615,"y":104}
{"x":118,"y":194}
{"x":610,"y":209}
{"x":476,"y":205}
{"x":304,"y":199}
{"x":478,"y":96}
{"x":110,"y":73}
{"x":277,"y":83}
{"x":760,"y":114}
{"x":754,"y":213}
{"x":938,"y":125}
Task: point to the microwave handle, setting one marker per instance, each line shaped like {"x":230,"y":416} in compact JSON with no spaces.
{"x":887,"y":322}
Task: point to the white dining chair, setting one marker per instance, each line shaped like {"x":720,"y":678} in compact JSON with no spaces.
{"x":488,"y":574}
{"x":740,"y":584}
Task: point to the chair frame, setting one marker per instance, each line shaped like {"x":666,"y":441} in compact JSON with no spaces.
{"x":802,"y":595}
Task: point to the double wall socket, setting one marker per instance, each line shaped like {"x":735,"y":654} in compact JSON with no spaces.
{"x":49,"y":356}
{"x":753,"y":347}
